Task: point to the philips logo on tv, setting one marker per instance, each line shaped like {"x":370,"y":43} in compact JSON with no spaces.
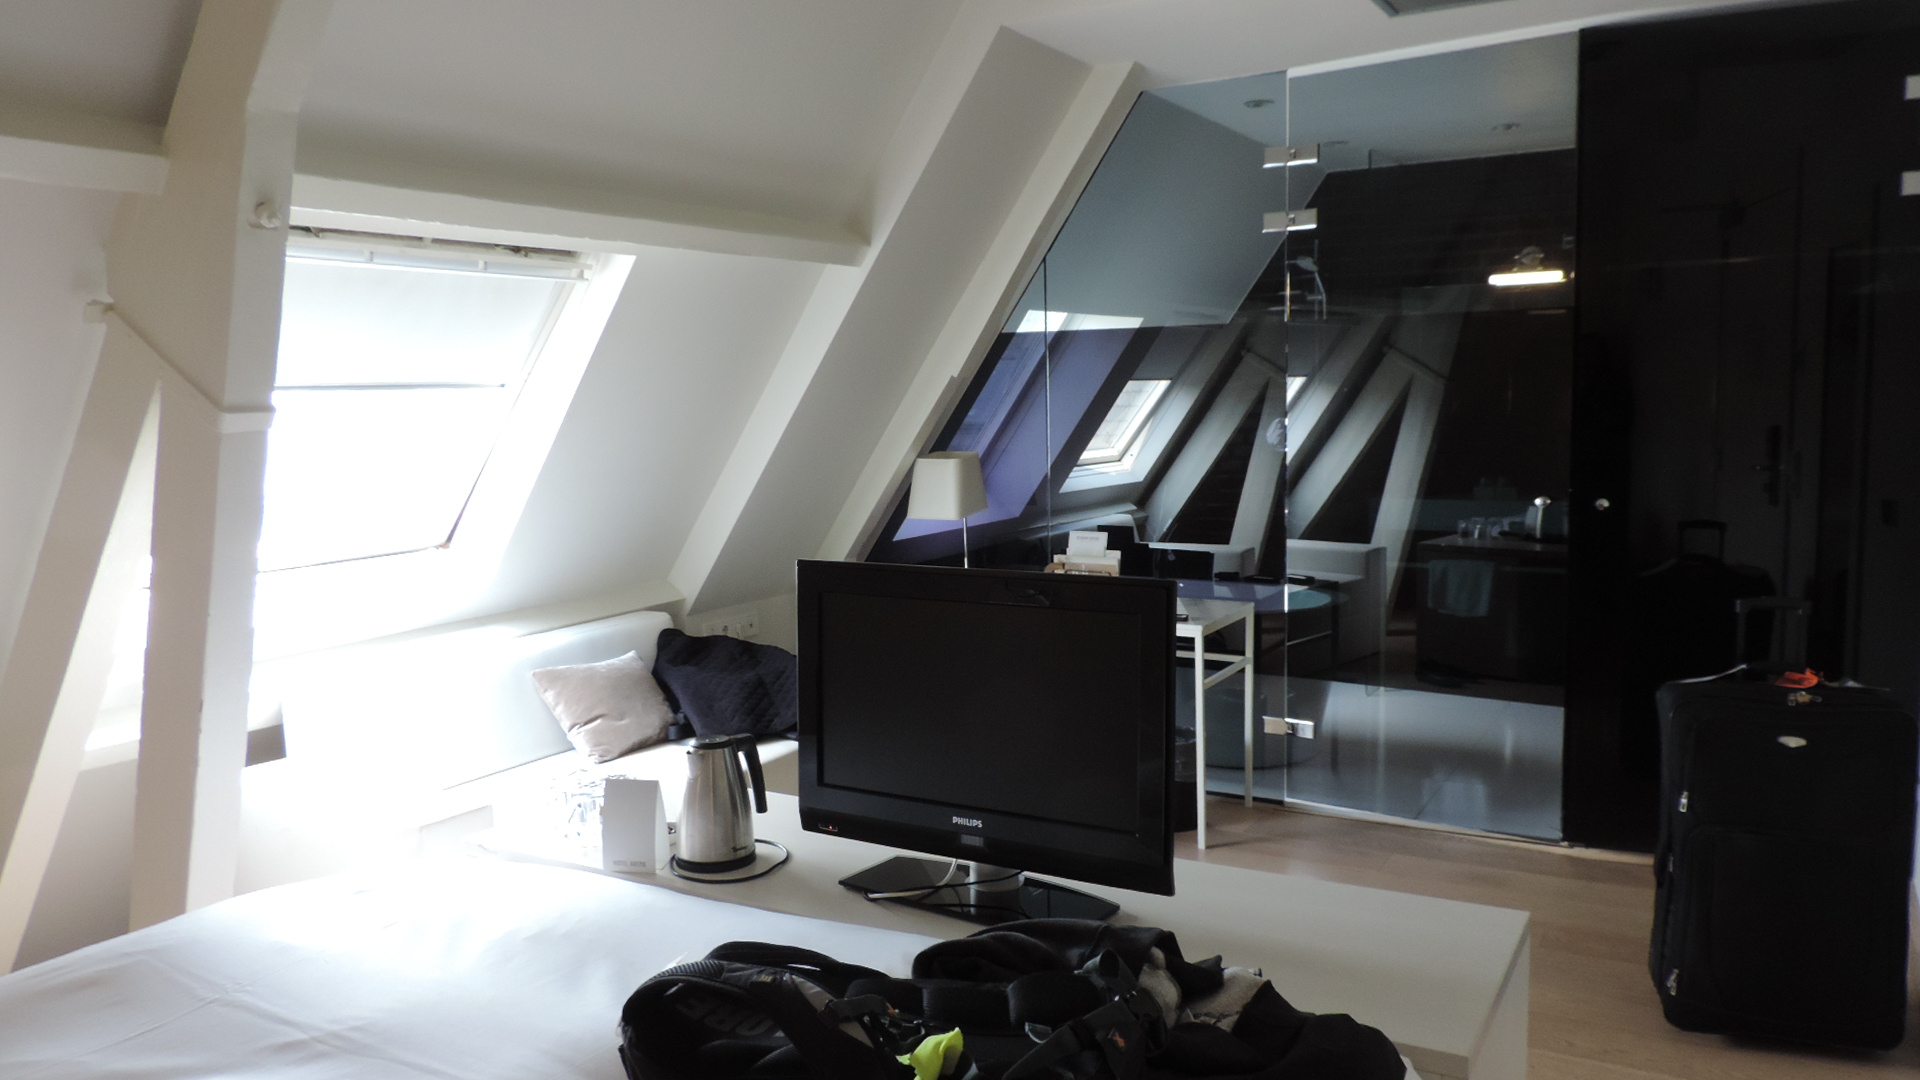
{"x":969,"y":822}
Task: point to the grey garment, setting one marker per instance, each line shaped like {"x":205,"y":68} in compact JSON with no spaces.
{"x":1156,"y":981}
{"x":1223,"y":1007}
{"x":1462,"y":588}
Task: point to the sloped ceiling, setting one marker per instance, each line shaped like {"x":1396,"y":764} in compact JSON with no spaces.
{"x":776,"y":108}
{"x":112,"y":58}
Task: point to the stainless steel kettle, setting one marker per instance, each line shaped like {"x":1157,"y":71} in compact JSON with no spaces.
{"x":716,"y":828}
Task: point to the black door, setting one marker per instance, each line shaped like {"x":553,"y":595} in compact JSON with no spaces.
{"x":1746,"y":386}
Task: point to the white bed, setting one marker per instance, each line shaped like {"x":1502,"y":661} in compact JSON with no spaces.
{"x":462,"y":968}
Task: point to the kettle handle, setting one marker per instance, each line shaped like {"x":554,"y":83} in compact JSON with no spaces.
{"x":750,"y":746}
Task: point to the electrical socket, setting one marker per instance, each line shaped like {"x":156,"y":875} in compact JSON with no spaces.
{"x":747,"y":626}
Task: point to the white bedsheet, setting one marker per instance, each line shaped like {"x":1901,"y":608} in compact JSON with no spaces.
{"x":467,"y":969}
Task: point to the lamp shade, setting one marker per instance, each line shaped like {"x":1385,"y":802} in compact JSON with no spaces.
{"x":947,"y":486}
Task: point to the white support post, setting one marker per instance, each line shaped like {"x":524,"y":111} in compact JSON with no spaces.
{"x":195,"y":273}
{"x":1252,"y":648}
{"x":193,"y":720}
{"x":51,"y":689}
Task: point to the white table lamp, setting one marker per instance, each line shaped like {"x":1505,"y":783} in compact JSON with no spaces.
{"x":947,"y":486}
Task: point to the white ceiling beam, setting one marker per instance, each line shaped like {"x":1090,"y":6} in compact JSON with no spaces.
{"x":42,"y":146}
{"x":556,"y":216}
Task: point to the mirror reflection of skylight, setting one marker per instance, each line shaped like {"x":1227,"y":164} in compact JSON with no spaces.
{"x":1124,"y":421}
{"x":1055,"y":321}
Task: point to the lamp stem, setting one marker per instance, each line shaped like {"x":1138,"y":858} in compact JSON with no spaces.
{"x":966,"y":559}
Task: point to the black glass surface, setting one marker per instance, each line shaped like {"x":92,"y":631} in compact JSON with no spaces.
{"x":978,"y":705}
{"x":1748,"y":318}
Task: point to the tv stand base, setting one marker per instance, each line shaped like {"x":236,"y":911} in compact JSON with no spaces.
{"x":1001,"y":898}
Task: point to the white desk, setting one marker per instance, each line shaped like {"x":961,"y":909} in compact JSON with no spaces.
{"x":1446,"y":981}
{"x":1205,"y":617}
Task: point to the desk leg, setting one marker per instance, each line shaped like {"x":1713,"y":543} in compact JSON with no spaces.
{"x":1246,"y":749}
{"x":1200,"y":739}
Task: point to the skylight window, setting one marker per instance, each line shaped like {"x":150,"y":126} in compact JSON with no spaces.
{"x":1120,"y":431}
{"x":399,"y":364}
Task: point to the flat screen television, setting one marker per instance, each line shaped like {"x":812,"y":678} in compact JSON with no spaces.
{"x":1020,"y":721}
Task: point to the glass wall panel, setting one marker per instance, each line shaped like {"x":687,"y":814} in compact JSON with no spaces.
{"x":1429,"y":446}
{"x":1296,"y":387}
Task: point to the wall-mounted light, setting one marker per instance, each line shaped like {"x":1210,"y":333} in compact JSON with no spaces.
{"x":1528,"y":269}
{"x":1290,"y":221}
{"x":1279,"y":157}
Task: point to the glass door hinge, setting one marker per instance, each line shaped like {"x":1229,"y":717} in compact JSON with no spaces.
{"x":1283,"y":725}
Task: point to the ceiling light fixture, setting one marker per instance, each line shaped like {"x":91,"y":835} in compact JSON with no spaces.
{"x":1528,"y":269}
{"x":1289,"y":156}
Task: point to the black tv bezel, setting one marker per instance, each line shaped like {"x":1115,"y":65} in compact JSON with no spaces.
{"x":1142,"y":860}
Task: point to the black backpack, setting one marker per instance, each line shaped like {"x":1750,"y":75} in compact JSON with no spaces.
{"x":751,"y":1009}
{"x":1043,"y":999}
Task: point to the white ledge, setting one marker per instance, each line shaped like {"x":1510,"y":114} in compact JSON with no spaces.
{"x":77,"y":150}
{"x":334,"y":202}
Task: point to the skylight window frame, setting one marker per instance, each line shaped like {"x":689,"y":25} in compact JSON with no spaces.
{"x":299,"y":609}
{"x":427,"y":256}
{"x":1123,"y":450}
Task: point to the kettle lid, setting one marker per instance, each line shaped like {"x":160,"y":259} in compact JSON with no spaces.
{"x":713,"y":742}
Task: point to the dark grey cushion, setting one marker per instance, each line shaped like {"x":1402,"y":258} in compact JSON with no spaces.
{"x":725,"y":686}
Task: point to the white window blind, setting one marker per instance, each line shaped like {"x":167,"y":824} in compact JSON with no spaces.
{"x":398,"y":366}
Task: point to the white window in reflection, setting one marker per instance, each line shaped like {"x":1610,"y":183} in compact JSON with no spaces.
{"x":1119,"y":433}
{"x":1294,"y":383}
{"x":399,"y":363}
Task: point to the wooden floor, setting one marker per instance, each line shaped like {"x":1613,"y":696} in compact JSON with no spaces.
{"x":1594,"y":1015}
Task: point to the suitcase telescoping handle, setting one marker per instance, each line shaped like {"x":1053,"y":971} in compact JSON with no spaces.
{"x":1698,"y":525}
{"x":1787,"y":637}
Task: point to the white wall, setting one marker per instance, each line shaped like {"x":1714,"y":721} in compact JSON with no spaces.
{"x":52,"y":261}
{"x":84,"y":896}
{"x":678,"y":370}
{"x":984,"y":158}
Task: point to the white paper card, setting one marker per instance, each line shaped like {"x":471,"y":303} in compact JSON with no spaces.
{"x":633,"y":826}
{"x":1086,"y":542}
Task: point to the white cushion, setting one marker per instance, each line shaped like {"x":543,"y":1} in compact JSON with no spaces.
{"x":607,"y":709}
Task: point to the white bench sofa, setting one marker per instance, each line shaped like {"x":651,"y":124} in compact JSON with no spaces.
{"x":403,"y":746}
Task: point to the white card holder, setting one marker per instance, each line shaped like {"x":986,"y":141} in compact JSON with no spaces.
{"x":633,"y":827}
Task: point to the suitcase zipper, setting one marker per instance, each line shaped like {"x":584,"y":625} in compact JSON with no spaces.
{"x":1683,"y":802}
{"x":1673,"y":983}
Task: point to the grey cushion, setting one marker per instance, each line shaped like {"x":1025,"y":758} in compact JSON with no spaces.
{"x":607,"y":709}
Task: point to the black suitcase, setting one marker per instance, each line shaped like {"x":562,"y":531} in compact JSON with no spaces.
{"x":1784,"y":862}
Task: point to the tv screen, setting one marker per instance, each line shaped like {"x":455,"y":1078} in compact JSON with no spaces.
{"x":1016,"y":719}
